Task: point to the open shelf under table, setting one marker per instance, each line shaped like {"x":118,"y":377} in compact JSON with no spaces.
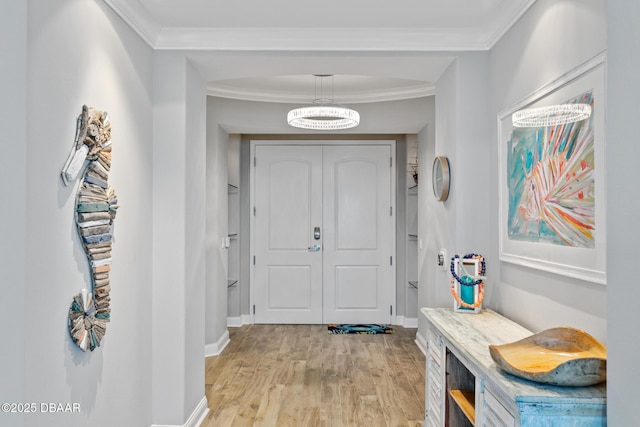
{"x":465,"y":399}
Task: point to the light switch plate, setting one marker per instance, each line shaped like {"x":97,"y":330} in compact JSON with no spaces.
{"x":441,"y":259}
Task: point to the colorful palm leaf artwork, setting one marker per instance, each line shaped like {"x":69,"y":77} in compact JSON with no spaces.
{"x":551,"y":183}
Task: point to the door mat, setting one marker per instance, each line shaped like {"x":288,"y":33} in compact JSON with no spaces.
{"x":349,"y":328}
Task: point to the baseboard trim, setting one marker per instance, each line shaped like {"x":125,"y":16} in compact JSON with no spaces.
{"x":195,"y":419}
{"x":199,"y":414}
{"x":236,"y":322}
{"x":407,"y":322}
{"x":217,"y":347}
{"x":421,"y":342}
{"x":411,"y":322}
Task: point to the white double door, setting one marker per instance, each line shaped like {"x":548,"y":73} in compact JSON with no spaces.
{"x":324,"y":234}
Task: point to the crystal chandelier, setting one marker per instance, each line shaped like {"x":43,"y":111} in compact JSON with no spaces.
{"x":323,"y":114}
{"x":551,"y":115}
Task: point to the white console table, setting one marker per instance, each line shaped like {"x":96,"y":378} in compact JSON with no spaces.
{"x":464,"y":387}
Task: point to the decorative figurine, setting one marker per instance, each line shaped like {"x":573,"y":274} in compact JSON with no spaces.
{"x":467,"y":288}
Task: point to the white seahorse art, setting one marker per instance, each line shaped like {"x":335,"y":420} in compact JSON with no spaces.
{"x":95,"y":210}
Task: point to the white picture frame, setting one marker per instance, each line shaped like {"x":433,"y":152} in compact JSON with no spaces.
{"x":583,"y":263}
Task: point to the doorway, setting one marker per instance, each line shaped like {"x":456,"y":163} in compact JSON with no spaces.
{"x":323,"y":232}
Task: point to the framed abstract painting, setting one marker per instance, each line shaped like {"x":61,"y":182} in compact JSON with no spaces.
{"x":552,"y":180}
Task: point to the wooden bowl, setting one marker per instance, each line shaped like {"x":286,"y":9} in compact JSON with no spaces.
{"x":559,"y":356}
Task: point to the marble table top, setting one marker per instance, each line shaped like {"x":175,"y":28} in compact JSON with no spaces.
{"x":470,"y":335}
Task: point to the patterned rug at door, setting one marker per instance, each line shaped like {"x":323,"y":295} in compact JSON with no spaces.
{"x":350,"y":328}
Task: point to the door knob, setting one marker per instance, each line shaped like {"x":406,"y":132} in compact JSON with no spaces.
{"x":314,"y":248}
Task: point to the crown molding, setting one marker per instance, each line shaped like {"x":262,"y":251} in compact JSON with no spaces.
{"x":321,"y":39}
{"x":315,"y":39}
{"x":508,"y":20}
{"x":239,"y":93}
{"x":138,"y":18}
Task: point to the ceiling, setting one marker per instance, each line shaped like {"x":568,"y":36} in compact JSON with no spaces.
{"x":377,"y":49}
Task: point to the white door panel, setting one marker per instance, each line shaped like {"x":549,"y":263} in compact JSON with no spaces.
{"x":355,"y":202}
{"x":289,"y":287}
{"x":356,"y":287}
{"x":358,"y":234}
{"x":346,"y":192}
{"x":288,"y":277}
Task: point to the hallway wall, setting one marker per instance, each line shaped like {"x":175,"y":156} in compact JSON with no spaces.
{"x":216,"y":335}
{"x":549,"y":40}
{"x":80,"y":53}
{"x":458,"y":225}
{"x":623,"y":151}
{"x":179,"y":256}
{"x":13,"y":185}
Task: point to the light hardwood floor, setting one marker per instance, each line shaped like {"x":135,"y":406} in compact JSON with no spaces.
{"x":300,"y":375}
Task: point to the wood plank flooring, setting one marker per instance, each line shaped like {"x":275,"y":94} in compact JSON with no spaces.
{"x":300,"y":375}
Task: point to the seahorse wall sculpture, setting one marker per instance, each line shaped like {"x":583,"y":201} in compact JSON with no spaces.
{"x":95,"y":210}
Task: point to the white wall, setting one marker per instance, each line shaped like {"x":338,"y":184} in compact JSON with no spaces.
{"x":623,"y":152}
{"x":459,"y":224}
{"x":528,"y":57}
{"x":550,"y":39}
{"x":391,"y":117}
{"x":195,"y":235}
{"x":426,"y":272}
{"x":63,"y":55}
{"x":216,"y":230}
{"x":179,"y":263}
{"x":13,"y":174}
{"x":78,"y":53}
